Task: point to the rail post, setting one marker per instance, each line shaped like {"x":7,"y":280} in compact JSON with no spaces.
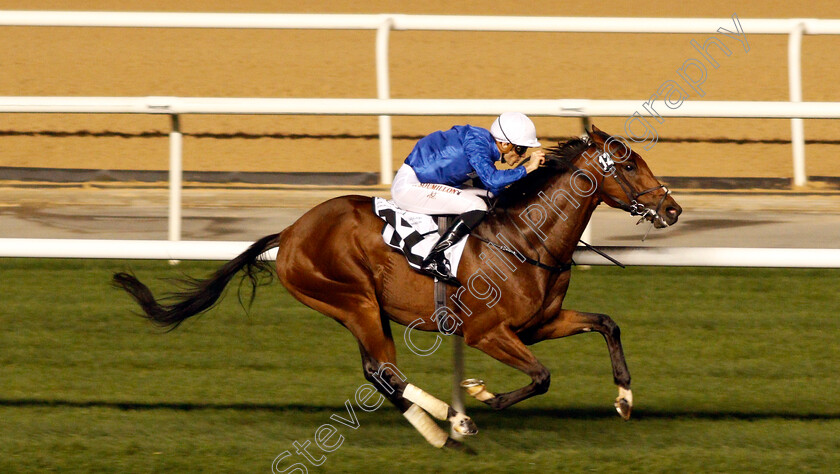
{"x":383,"y":91}
{"x":797,"y":127}
{"x":175,"y":178}
{"x":586,"y":123}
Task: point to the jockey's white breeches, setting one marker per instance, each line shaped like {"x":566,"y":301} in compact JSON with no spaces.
{"x":428,"y":198}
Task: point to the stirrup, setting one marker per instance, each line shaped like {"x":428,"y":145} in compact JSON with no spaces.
{"x":438,"y":267}
{"x":448,"y":279}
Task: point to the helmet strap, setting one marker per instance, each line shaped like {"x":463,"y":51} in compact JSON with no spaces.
{"x":503,"y":130}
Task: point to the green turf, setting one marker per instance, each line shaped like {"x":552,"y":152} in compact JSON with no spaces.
{"x":732,"y":372}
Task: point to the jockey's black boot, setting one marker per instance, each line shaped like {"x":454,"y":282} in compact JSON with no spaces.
{"x":436,"y":263}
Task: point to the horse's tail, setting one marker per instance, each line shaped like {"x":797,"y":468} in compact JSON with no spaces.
{"x":201,"y":295}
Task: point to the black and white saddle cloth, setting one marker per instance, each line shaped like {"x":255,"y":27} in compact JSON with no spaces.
{"x":413,"y":234}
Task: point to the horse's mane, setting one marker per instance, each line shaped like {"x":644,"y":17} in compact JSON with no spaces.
{"x":558,"y":160}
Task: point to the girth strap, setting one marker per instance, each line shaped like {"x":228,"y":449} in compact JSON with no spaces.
{"x":443,"y":223}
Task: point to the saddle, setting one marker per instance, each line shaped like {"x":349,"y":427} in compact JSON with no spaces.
{"x":414,"y":234}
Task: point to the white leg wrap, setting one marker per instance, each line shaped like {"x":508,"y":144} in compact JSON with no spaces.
{"x":479,"y":392}
{"x":435,"y":407}
{"x":426,"y":426}
{"x":625,"y":394}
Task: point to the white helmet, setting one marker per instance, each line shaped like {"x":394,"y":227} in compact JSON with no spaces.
{"x":516,"y":128}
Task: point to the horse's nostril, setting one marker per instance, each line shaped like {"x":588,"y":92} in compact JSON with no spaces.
{"x":671,"y":211}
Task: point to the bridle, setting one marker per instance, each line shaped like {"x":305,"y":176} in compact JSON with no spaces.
{"x":631,"y":202}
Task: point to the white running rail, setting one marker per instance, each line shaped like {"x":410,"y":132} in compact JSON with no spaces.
{"x":227,"y":250}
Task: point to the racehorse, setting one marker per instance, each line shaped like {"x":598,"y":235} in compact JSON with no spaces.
{"x":333,"y":259}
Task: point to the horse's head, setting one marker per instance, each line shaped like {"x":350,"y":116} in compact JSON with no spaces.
{"x":628,"y":183}
{"x":602,"y":168}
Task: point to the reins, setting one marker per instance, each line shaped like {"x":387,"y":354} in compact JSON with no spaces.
{"x":522,"y":257}
{"x":519,"y":255}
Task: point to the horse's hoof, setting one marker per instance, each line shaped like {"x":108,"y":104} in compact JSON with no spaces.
{"x":475,"y":388}
{"x":624,"y":403}
{"x":459,"y":446}
{"x":463,"y":425}
{"x":623,"y":407}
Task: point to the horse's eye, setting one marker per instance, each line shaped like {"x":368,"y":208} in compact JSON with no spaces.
{"x":630,"y":167}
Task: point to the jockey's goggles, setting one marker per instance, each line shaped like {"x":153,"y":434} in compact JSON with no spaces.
{"x":520,"y":149}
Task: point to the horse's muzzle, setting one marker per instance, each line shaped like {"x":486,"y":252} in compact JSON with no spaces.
{"x":669,"y":214}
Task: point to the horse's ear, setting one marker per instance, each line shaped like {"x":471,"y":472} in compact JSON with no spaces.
{"x":596,"y":134}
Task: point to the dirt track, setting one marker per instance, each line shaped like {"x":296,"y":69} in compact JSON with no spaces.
{"x":230,"y":63}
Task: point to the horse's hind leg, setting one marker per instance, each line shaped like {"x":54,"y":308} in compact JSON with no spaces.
{"x":360,"y":314}
{"x":376,"y":345}
{"x":391,"y":383}
{"x":570,"y":322}
{"x":381,"y":371}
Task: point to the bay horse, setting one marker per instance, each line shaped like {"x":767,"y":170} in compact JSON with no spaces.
{"x":333,"y":259}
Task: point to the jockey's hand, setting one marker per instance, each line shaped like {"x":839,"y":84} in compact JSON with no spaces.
{"x":537,"y":158}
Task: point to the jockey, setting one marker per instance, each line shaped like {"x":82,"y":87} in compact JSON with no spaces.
{"x":431,"y":179}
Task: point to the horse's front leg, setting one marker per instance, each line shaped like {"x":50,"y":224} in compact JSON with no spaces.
{"x":505,"y":346}
{"x":570,"y":322}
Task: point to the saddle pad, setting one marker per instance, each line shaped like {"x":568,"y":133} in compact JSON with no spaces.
{"x":413,"y":234}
